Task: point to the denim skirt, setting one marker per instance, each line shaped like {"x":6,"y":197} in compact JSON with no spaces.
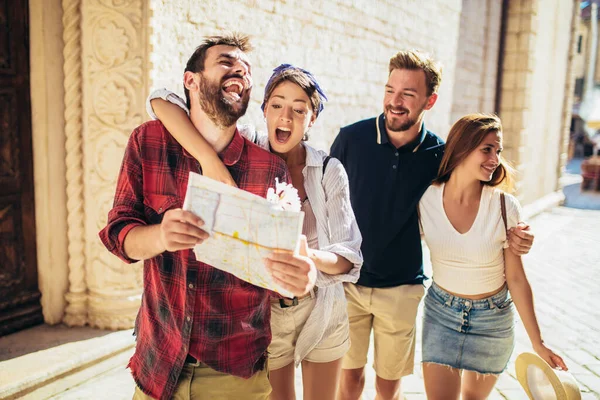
{"x":474,"y":335}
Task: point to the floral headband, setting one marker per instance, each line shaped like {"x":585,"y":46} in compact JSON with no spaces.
{"x":286,"y":67}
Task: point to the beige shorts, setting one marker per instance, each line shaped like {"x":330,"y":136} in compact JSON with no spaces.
{"x":391,"y":313}
{"x":203,"y":382}
{"x":286,"y":324}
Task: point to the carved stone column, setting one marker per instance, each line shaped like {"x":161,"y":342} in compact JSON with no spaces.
{"x":76,"y":311}
{"x":104,"y":292}
{"x":115,"y":53}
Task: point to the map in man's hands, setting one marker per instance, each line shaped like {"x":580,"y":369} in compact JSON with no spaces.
{"x":243,"y":228}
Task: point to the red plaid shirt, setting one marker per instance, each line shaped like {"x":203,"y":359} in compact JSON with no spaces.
{"x":188,"y":306}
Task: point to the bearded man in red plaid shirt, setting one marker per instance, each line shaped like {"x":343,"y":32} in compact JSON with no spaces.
{"x":201,"y":332}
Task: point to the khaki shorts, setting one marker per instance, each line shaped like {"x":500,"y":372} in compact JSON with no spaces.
{"x":286,"y":324}
{"x":391,"y":313}
{"x":202,"y":382}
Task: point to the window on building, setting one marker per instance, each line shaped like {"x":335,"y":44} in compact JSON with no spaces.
{"x":579,"y":87}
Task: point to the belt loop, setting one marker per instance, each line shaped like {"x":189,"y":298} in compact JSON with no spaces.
{"x":491,"y":303}
{"x":192,"y":361}
{"x":283,"y":304}
{"x":449,"y":300}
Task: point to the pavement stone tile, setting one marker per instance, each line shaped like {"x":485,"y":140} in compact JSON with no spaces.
{"x":592,"y":347}
{"x":595,"y":368}
{"x":574,"y":367}
{"x":591,"y":381}
{"x":496,"y":395}
{"x":410,"y":396}
{"x":113,"y":385}
{"x":413,"y":384}
{"x":513,"y":394}
{"x":582,"y":357}
{"x":507,"y":382}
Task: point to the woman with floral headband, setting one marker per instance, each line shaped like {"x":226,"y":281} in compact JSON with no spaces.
{"x":312,"y":330}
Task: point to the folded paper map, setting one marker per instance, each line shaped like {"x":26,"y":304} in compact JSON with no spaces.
{"x":243,"y":228}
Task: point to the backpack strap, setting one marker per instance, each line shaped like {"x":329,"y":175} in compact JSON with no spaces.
{"x":503,"y":209}
{"x":325,"y":162}
{"x":419,"y":217}
{"x":327,"y":229}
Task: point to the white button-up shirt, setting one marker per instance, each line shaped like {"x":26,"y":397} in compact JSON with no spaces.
{"x":331,"y":226}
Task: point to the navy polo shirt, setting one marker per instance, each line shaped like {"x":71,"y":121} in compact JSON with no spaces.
{"x":386,"y":185}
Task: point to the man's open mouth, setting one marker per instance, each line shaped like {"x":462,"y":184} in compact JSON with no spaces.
{"x":398,"y":112}
{"x":233,"y":89}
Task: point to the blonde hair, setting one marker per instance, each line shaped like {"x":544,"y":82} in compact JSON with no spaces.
{"x":417,"y":60}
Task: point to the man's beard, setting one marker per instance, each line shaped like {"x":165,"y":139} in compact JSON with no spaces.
{"x":398,"y":126}
{"x":220,"y":111}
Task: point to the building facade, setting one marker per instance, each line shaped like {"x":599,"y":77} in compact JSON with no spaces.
{"x":92,"y":64}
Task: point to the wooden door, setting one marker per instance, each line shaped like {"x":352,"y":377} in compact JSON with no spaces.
{"x":19,"y":294}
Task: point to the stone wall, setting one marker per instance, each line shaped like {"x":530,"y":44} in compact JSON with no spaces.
{"x":533,"y":92}
{"x":346,"y":44}
{"x":477,"y":58}
{"x":85,"y":103}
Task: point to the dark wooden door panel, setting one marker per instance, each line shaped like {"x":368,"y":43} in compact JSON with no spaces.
{"x":12,"y":261}
{"x":9,"y":140}
{"x":19,"y":293}
{"x":7,"y":38}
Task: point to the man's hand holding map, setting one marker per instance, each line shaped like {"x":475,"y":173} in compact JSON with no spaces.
{"x":244,"y":229}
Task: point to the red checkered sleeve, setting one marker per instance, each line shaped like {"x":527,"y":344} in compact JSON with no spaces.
{"x":128,"y":206}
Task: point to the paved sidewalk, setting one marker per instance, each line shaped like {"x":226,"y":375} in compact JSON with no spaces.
{"x":564,"y":270}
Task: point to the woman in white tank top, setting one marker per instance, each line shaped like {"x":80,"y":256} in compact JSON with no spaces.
{"x":468,"y":321}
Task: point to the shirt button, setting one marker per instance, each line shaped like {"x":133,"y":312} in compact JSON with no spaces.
{"x":396,"y":154}
{"x":189,"y":319}
{"x":394,"y":166}
{"x":160,"y":209}
{"x":191,"y":285}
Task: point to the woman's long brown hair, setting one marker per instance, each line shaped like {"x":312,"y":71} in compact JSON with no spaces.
{"x":465,"y":136}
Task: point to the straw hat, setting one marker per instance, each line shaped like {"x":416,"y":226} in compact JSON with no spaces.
{"x":542,"y":382}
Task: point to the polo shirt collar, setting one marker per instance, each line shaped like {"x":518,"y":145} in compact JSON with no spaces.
{"x":383,"y":138}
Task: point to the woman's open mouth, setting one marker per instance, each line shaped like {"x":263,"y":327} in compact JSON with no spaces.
{"x":282,"y":134}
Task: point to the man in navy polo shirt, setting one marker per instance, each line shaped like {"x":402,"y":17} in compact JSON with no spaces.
{"x":390,"y":161}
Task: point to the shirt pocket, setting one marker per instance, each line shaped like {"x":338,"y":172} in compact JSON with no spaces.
{"x":155,"y":206}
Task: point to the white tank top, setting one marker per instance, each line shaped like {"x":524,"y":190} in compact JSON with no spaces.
{"x":473,"y":262}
